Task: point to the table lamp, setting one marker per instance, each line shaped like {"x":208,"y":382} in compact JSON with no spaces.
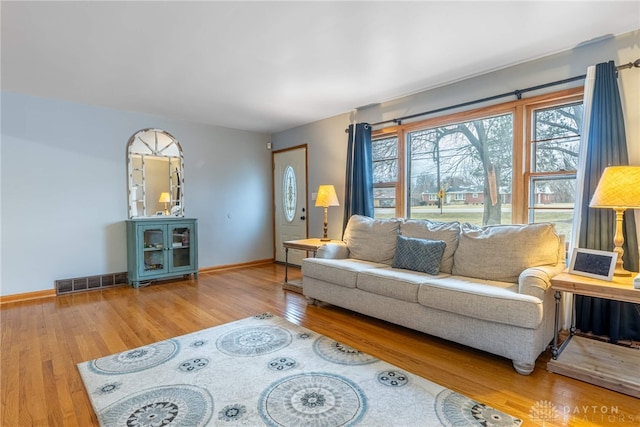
{"x":618,"y":189}
{"x":165,"y":198}
{"x":326,"y":197}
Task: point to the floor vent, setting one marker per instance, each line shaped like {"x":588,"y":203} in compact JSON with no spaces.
{"x":89,"y":283}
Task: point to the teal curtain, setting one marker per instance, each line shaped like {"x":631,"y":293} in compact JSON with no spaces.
{"x":606,"y":146}
{"x":359,"y":179}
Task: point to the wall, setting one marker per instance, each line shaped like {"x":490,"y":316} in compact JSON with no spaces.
{"x":63,"y":176}
{"x":327,"y":140}
{"x":326,"y":158}
{"x":64,"y":191}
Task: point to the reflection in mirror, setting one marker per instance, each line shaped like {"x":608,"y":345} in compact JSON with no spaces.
{"x":155,"y":165}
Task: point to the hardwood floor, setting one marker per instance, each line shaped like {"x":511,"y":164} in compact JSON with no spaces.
{"x":43,"y":340}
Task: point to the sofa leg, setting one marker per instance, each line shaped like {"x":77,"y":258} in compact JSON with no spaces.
{"x":523,"y":368}
{"x":312,"y":301}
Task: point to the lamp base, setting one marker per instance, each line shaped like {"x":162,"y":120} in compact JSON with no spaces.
{"x":621,"y":272}
{"x":325,"y":237}
{"x":618,"y":241}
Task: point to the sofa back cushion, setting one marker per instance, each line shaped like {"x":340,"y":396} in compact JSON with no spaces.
{"x":371,"y":239}
{"x":434,"y":230}
{"x":502,"y":252}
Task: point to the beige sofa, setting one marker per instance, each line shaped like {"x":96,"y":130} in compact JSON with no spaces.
{"x":484,"y":287}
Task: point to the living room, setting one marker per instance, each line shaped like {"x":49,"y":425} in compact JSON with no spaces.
{"x":64,"y":198}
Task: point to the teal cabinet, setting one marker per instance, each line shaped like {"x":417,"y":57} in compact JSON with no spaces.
{"x":161,"y":247}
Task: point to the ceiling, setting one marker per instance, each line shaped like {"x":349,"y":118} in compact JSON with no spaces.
{"x":269,"y":66}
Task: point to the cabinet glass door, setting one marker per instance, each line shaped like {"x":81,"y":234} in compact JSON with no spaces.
{"x":182,"y":253}
{"x":154,"y":255}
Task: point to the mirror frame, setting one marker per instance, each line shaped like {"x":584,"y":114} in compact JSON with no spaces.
{"x":151,"y":144}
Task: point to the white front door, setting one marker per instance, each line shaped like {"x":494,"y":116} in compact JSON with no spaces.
{"x":290,"y":200}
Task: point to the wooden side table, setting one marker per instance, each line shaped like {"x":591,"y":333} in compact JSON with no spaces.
{"x":309,"y":245}
{"x":603,"y":364}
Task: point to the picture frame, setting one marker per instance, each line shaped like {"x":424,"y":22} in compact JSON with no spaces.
{"x":593,"y":263}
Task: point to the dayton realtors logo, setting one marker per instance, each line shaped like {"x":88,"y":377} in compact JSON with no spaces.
{"x":544,"y":413}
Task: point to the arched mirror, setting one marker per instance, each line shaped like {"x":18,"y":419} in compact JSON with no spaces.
{"x":156,"y":174}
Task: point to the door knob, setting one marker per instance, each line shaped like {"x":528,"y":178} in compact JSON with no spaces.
{"x":303,"y":217}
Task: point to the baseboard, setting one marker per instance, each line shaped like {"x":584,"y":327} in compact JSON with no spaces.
{"x":27,"y":296}
{"x":232,"y":266}
{"x":52,"y":292}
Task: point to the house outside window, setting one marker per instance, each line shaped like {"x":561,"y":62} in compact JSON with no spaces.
{"x":385,"y":176}
{"x":508,"y":163}
{"x":458,"y":160}
{"x":554,"y":143}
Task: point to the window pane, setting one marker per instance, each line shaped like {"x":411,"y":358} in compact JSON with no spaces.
{"x":553,"y":192}
{"x":552,"y":200}
{"x":385,"y":160}
{"x":555,"y":146}
{"x":471,"y":163}
{"x":384,"y":202}
{"x":556,"y":138}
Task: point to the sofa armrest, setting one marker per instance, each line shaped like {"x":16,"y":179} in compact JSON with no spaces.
{"x":333,"y":251}
{"x":535,"y":281}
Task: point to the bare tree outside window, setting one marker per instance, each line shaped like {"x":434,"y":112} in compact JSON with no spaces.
{"x":468,"y":166}
{"x":385,"y":176}
{"x":555,"y":145}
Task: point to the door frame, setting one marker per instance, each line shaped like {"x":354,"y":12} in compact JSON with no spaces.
{"x":273,"y":190}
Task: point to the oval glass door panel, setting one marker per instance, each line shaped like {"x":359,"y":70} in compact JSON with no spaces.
{"x":289,"y":193}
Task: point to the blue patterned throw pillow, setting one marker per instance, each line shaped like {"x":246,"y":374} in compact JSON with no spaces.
{"x":419,"y":254}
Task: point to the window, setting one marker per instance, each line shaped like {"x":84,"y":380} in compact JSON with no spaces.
{"x":508,"y":163}
{"x":385,"y":176}
{"x":554,"y":144}
{"x":455,"y":162}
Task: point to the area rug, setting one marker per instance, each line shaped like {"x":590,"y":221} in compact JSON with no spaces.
{"x":264,"y":370}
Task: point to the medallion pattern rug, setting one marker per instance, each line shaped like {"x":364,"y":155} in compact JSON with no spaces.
{"x":264,"y":370}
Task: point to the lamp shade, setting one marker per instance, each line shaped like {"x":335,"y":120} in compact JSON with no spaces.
{"x":619,"y":187}
{"x":327,"y":196}
{"x":164,"y":198}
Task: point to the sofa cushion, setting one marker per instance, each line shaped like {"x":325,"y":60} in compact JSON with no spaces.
{"x":419,"y":254}
{"x":482,"y":299}
{"x":435,"y":230}
{"x":371,"y":239}
{"x":341,"y":272}
{"x":335,"y":250}
{"x":393,"y":283}
{"x":502,"y":252}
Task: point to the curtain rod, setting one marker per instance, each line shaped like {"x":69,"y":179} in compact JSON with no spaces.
{"x":517,"y":93}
